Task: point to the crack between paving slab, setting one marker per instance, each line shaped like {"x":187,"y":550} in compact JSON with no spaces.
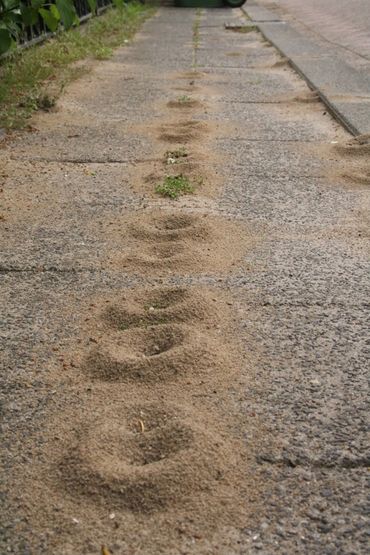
{"x":345,"y":463}
{"x":42,"y":270}
{"x":244,"y":139}
{"x":319,"y":304}
{"x":196,"y":36}
{"x":70,"y":160}
{"x":240,"y":68}
{"x":254,"y":101}
{"x":269,"y":21}
{"x":85,"y":161}
{"x":282,"y":175}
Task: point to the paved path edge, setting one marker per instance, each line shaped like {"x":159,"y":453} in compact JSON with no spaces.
{"x":333,"y":79}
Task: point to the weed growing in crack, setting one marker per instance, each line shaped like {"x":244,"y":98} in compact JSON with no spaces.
{"x":174,"y":186}
{"x":184,"y":99}
{"x":196,"y":36}
{"x":247,"y":29}
{"x":241,"y":28}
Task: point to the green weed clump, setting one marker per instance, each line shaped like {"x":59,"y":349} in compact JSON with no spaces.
{"x":28,"y":75}
{"x":245,"y":29}
{"x":174,"y":187}
{"x":184,"y":99}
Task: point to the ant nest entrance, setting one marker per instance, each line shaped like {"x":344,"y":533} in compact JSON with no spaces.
{"x":174,"y":222}
{"x":166,"y":251}
{"x":145,"y":460}
{"x":171,"y":227}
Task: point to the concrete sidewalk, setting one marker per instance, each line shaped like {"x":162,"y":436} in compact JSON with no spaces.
{"x":185,"y":376}
{"x":343,"y":84}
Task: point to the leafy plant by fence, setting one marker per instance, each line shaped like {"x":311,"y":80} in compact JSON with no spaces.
{"x":22,"y":21}
{"x":33,"y":78}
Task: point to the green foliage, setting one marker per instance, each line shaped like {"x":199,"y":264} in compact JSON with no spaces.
{"x":5,"y":40}
{"x":51,"y":18}
{"x":67,"y":13}
{"x":10,"y":23}
{"x":118,"y":3}
{"x":242,"y":28}
{"x":103,"y":53}
{"x":33,"y":78}
{"x":184,"y":99}
{"x":92,"y":5}
{"x":17,"y":15}
{"x":174,"y":186}
{"x":29,"y":15}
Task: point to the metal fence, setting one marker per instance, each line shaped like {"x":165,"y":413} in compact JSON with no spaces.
{"x":39,"y":31}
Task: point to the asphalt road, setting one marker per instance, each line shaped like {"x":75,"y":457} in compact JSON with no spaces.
{"x":345,"y":23}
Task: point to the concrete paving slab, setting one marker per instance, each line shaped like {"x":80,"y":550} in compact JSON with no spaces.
{"x":285,"y":122}
{"x":270,"y":200}
{"x":64,"y":143}
{"x":260,"y":159}
{"x":255,"y":86}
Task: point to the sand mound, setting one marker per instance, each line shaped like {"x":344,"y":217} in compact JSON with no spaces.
{"x":283,"y":62}
{"x":358,"y":146}
{"x":190,"y":75}
{"x":171,"y":227}
{"x":158,"y":306}
{"x":159,"y":257}
{"x":156,"y":353}
{"x":307,"y":97}
{"x":198,"y":243}
{"x":186,"y":88}
{"x":360,"y":177}
{"x":185,"y":104}
{"x":164,"y":250}
{"x":182,"y":132}
{"x":145,"y":460}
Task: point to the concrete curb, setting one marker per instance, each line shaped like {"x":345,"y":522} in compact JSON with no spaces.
{"x":344,"y":90}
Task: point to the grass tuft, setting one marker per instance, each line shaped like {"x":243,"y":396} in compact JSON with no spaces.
{"x":242,"y":28}
{"x":174,"y":186}
{"x":196,"y":35}
{"x":184,"y":99}
{"x":45,"y":102}
{"x":27,"y":76}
